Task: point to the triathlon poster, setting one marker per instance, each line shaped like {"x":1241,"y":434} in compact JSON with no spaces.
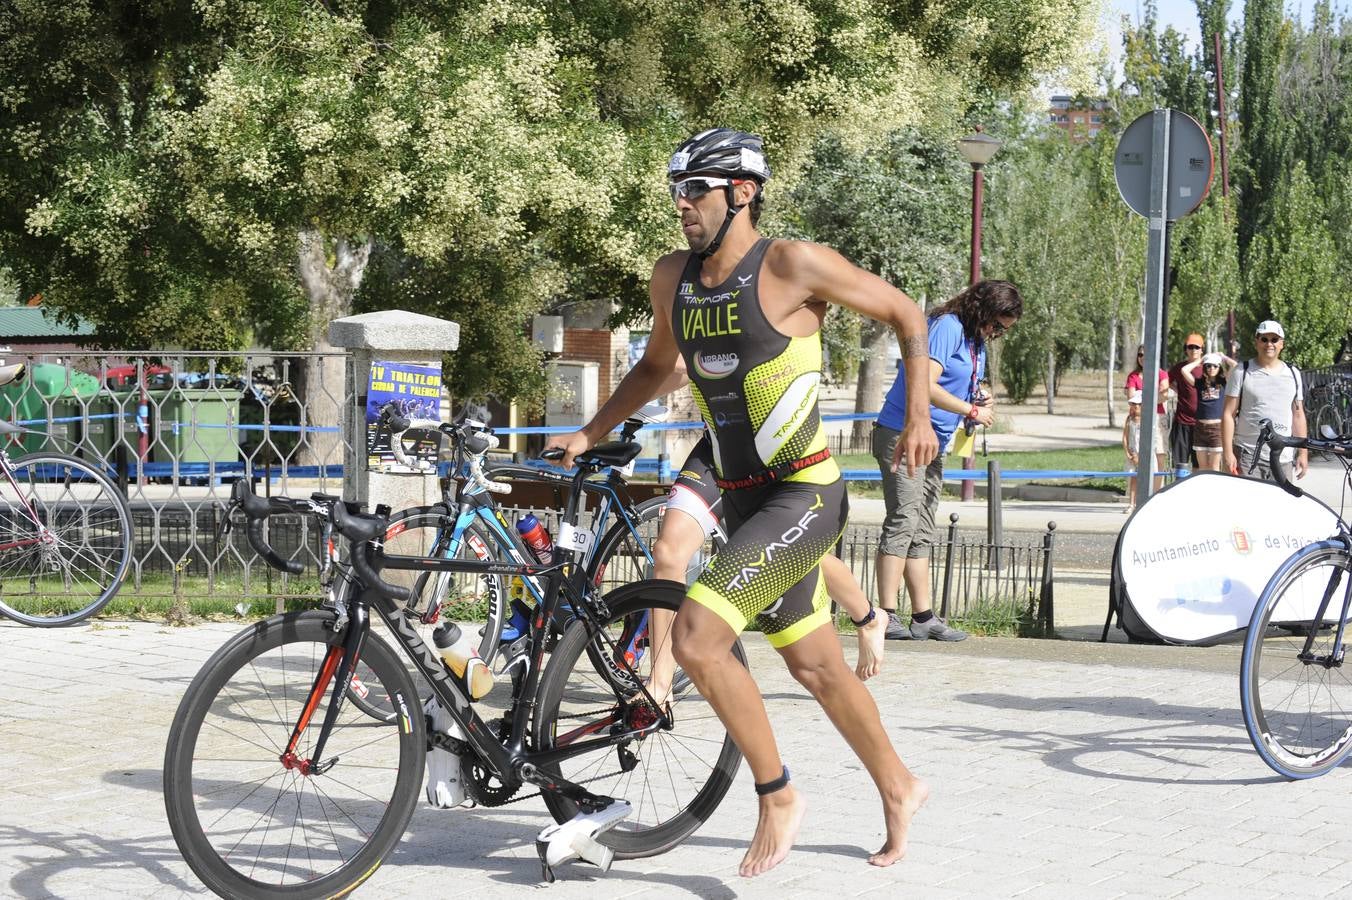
{"x":416,"y":391}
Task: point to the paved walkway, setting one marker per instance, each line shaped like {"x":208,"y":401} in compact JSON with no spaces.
{"x":1058,"y":769}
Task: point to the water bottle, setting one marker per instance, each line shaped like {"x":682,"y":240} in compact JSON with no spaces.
{"x":462,"y":658}
{"x":536,"y":538}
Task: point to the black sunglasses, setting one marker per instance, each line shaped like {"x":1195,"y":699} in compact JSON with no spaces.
{"x":1269,"y":339}
{"x":1192,"y":346}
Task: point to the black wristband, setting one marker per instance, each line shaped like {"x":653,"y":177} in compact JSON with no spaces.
{"x":872,"y":613}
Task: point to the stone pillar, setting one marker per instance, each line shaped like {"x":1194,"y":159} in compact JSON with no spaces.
{"x":393,"y":336}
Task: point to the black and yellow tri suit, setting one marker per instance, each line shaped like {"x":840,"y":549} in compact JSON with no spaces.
{"x":784,"y":499}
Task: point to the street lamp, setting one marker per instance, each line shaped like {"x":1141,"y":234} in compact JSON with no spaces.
{"x":978,"y":149}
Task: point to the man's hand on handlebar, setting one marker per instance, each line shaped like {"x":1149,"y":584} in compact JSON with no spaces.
{"x":571,"y":444}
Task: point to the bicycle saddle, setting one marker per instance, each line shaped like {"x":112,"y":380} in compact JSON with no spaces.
{"x":612,"y":453}
{"x":12,"y":373}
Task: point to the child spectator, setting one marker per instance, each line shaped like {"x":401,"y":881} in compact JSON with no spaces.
{"x":1131,"y":443}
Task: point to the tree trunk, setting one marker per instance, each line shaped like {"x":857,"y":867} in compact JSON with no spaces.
{"x":1051,"y":382}
{"x":1110,"y":369}
{"x":330,"y":288}
{"x":873,"y":376}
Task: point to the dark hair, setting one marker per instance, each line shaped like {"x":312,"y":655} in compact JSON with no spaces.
{"x":1203,"y":381}
{"x":981,"y":304}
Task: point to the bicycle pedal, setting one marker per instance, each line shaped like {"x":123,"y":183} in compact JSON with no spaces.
{"x":577,"y":839}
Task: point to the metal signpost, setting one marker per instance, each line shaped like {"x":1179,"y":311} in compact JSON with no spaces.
{"x":1163,"y":166}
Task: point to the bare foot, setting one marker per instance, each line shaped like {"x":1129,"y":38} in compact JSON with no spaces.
{"x":871,"y":639}
{"x":898,"y":811}
{"x":780,"y":815}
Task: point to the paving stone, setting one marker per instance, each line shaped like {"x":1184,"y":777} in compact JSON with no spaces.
{"x":1049,"y":778}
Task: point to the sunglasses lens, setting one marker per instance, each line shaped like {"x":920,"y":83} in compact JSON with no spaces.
{"x":692,"y":189}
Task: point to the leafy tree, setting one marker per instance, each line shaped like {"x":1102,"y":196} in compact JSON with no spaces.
{"x":219,"y":172}
{"x":1038,"y":229}
{"x":1264,"y":127}
{"x":1294,"y":274}
{"x":1207,"y":279}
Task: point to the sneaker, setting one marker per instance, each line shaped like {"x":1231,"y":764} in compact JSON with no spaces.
{"x":937,"y":629}
{"x":895,"y":630}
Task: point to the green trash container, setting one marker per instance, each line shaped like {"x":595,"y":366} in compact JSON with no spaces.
{"x":54,"y":402}
{"x":199,"y":425}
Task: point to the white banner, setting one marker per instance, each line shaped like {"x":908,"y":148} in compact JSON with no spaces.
{"x":1195,"y":557}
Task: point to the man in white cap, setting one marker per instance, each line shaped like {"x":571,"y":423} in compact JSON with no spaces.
{"x":1263,"y":388}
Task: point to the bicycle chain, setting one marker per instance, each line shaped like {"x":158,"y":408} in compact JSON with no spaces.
{"x":443,"y":741}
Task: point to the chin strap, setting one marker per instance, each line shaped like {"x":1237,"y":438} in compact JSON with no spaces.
{"x":733,"y":210}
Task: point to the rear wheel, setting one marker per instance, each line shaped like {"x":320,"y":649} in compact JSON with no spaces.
{"x":674,"y":778}
{"x":1295,"y":687}
{"x":65,"y":540}
{"x":252,"y":822}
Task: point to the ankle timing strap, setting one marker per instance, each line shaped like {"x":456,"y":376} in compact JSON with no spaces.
{"x":872,"y":614}
{"x":777,"y":784}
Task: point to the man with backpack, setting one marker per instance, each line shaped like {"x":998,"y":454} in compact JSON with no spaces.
{"x":1263,"y":388}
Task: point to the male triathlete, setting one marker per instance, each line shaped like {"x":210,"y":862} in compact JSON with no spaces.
{"x":744,"y":313}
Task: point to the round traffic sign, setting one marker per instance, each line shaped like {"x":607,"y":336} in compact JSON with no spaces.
{"x":1191,"y":164}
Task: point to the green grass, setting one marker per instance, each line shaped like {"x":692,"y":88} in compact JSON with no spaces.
{"x":1091,"y":459}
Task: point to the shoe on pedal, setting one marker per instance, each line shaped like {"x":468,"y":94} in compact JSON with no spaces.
{"x":577,"y":839}
{"x":936,"y":629}
{"x":896,"y":631}
{"x":445,"y":771}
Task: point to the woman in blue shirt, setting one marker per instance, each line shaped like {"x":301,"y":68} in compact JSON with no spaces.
{"x":958,"y":333}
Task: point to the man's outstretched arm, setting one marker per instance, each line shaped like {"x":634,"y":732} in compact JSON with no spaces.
{"x":831,"y":277}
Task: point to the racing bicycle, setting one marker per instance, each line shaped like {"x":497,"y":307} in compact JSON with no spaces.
{"x":1295,"y":692}
{"x":276,"y":785}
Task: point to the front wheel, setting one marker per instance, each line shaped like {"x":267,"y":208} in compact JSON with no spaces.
{"x":674,"y":778}
{"x":1295,"y":691}
{"x":250,"y":821}
{"x":65,"y":540}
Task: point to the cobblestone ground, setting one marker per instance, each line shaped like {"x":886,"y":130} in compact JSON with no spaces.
{"x":1058,"y":769}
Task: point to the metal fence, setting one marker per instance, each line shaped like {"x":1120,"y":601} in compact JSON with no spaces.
{"x":174,"y":429}
{"x":992,"y":587}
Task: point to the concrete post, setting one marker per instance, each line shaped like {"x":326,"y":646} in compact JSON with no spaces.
{"x":395,"y":336}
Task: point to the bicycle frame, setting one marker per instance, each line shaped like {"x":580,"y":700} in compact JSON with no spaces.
{"x":508,"y":760}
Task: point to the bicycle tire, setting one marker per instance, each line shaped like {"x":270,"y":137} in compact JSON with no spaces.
{"x":204,"y":767}
{"x":67,"y":573}
{"x":1296,"y":710}
{"x":1327,"y":415}
{"x":571,"y":691}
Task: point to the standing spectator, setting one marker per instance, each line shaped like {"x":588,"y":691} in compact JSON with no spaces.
{"x":1208,"y":382}
{"x":1131,"y":445}
{"x":1136,"y":382}
{"x":959,"y":331}
{"x":1185,"y":409}
{"x":1263,"y":388}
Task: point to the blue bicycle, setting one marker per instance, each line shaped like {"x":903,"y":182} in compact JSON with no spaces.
{"x":467,"y":524}
{"x":1295,"y":691}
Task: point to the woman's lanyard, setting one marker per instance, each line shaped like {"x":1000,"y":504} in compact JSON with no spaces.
{"x":971,"y":391}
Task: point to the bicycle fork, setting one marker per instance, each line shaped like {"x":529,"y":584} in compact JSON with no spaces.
{"x":338,"y":668}
{"x":1333,"y":659}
